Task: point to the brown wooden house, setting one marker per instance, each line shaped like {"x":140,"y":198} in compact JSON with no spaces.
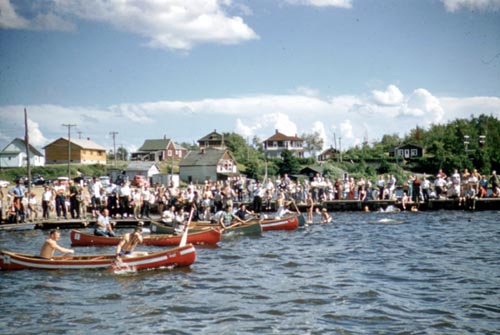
{"x":159,"y":150}
{"x":212,"y":140}
{"x":82,"y":152}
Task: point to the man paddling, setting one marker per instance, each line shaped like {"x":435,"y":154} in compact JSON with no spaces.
{"x":227,"y":218}
{"x":51,"y":245}
{"x":128,"y":243}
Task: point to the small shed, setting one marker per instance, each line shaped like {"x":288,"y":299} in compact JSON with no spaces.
{"x":147,"y":169}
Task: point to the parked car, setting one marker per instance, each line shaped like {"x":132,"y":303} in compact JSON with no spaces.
{"x":38,"y":180}
{"x":140,"y":180}
{"x":4,"y":183}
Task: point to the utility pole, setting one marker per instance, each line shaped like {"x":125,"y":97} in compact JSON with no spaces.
{"x":69,"y":146}
{"x":27,"y":142}
{"x":114,"y":133}
{"x":79,"y":135}
{"x":340,"y":148}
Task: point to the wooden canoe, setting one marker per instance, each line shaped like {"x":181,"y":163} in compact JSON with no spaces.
{"x":249,"y":228}
{"x":179,"y":256}
{"x":208,"y":236}
{"x":286,"y":223}
{"x":160,"y":228}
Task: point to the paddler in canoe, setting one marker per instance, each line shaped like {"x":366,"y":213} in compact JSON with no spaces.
{"x":227,"y":219}
{"x":50,"y":246}
{"x":128,"y":243}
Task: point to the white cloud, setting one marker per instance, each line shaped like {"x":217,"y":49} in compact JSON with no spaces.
{"x":422,"y":104}
{"x":390,"y":97}
{"x":323,"y":3}
{"x":351,"y":117}
{"x":168,"y":24}
{"x":484,"y":5}
{"x":9,"y":18}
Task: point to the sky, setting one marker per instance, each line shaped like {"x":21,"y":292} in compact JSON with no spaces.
{"x":350,"y":70}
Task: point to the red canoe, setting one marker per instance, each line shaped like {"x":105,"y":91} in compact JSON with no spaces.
{"x":286,"y":223}
{"x":208,"y":236}
{"x":180,"y":256}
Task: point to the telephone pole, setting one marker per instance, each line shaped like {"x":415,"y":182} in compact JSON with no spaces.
{"x":114,"y":133}
{"x":69,"y":146}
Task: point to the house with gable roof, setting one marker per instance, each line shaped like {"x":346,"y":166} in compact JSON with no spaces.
{"x":14,"y":155}
{"x":280,"y":142}
{"x":157,"y":150}
{"x":207,"y":164}
{"x":83,"y":151}
{"x":212,"y":140}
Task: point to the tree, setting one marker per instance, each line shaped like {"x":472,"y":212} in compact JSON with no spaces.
{"x":288,"y":163}
{"x":313,"y":143}
{"x":122,"y":154}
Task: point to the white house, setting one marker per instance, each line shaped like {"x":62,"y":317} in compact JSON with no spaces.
{"x":14,"y":155}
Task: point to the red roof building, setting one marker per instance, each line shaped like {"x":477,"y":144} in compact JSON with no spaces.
{"x":280,"y":142}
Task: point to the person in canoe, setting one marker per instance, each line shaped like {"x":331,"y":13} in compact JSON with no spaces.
{"x":103,"y":227}
{"x":50,"y":246}
{"x":242,"y":212}
{"x":168,"y":216}
{"x":226,"y":220}
{"x":128,"y":243}
{"x":282,"y":204}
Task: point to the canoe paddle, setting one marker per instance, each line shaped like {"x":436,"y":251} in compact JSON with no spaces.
{"x":185,"y":234}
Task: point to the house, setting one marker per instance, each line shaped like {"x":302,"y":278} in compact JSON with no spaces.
{"x":14,"y":155}
{"x":208,"y":164}
{"x":158,"y":150}
{"x":212,"y":140}
{"x":279,"y":142}
{"x":327,"y":154}
{"x":82,"y":152}
{"x":408,"y":151}
{"x":311,"y":171}
{"x":147,"y":169}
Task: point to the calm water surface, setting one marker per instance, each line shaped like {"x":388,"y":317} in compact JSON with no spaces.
{"x":377,"y":273}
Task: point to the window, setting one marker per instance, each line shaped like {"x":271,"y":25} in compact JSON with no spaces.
{"x":169,"y":153}
{"x":400,"y":152}
{"x":414,"y":152}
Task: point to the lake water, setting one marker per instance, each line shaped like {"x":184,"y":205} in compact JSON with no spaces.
{"x":367,"y":273}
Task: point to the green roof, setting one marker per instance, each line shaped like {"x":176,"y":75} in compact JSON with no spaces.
{"x":154,"y":145}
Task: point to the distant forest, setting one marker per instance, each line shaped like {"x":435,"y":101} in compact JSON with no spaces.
{"x":463,"y":143}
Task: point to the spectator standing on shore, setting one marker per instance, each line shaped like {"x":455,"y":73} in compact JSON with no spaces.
{"x":494,"y":182}
{"x":18,"y":193}
{"x":426,"y":188}
{"x":74,"y":202}
{"x":381,"y":187}
{"x":257,"y":198}
{"x":60,"y":191}
{"x":47,"y":199}
{"x":415,"y":196}
{"x":32,"y":207}
{"x":124,"y":198}
{"x":95,"y":190}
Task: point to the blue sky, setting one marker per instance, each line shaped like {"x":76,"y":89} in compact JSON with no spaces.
{"x":180,"y":69}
